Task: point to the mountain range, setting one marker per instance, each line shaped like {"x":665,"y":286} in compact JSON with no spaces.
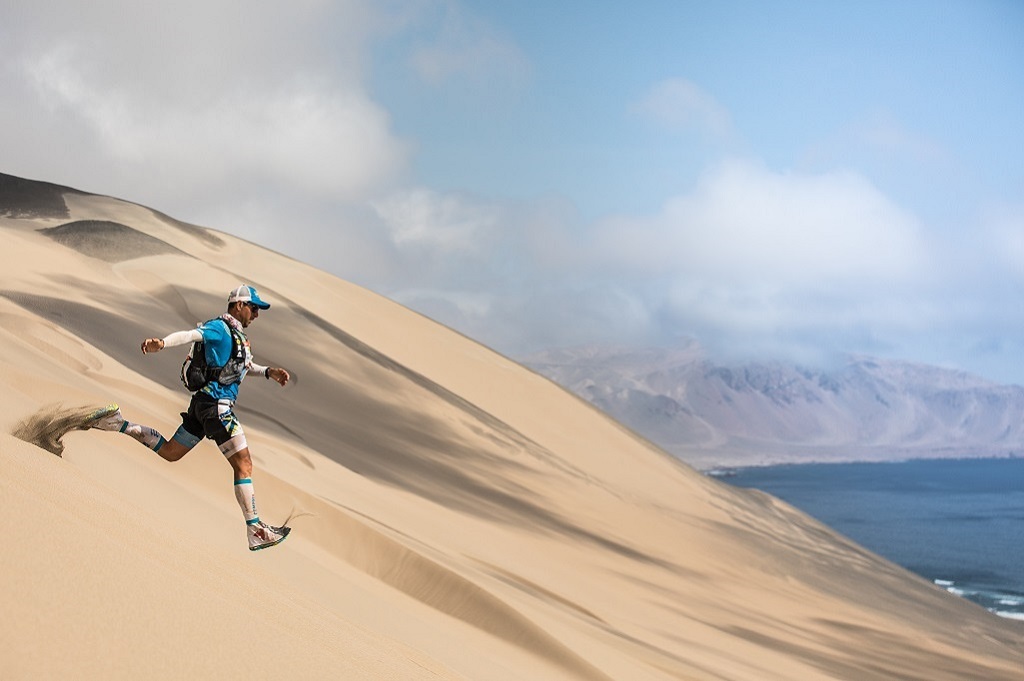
{"x":867,"y":409}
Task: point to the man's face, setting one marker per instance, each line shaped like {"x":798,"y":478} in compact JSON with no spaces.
{"x":246,"y":313}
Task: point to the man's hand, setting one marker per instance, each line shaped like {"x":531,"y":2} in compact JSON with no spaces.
{"x":280,"y":375}
{"x":152,"y":345}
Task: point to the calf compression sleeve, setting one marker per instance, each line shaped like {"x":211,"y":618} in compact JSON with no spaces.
{"x":144,"y":434}
{"x":246,"y":498}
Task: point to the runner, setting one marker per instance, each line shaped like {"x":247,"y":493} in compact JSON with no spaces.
{"x":221,"y":360}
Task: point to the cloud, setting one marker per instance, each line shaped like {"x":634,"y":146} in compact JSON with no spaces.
{"x":889,"y":137}
{"x":882,"y":145}
{"x":751,"y":258}
{"x":759,"y":259}
{"x":260,"y":120}
{"x":680,"y":105}
{"x":465,"y":46}
{"x":744,"y":223}
{"x":205,"y":101}
{"x":443,"y":224}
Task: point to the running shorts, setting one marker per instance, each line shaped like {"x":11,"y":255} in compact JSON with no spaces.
{"x":213,"y":419}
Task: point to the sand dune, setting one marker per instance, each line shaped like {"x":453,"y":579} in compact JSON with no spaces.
{"x":455,"y":515}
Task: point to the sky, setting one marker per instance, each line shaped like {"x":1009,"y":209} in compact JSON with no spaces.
{"x":791,"y":180}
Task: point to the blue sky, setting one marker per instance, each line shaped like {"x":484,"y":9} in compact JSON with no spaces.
{"x":792,"y":180}
{"x":792,"y":83}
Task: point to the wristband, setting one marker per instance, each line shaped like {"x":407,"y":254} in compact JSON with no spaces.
{"x":266,"y":373}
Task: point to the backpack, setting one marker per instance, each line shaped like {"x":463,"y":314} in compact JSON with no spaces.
{"x":195,"y":372}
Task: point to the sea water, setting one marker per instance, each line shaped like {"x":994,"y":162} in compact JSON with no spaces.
{"x":958,"y":523}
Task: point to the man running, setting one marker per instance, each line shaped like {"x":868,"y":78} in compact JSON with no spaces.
{"x":210,"y":413}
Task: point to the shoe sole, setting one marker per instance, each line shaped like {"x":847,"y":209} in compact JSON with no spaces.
{"x":287,"y":530}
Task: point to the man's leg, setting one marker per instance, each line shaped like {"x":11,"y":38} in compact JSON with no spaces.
{"x":220,"y":424}
{"x":241,"y":465}
{"x":109,"y":418}
{"x":261,"y":535}
{"x":179,"y":445}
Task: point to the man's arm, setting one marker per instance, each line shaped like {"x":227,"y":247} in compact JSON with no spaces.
{"x":276,"y":373}
{"x":177,"y":338}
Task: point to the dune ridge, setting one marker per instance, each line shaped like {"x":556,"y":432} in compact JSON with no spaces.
{"x":456,"y":516}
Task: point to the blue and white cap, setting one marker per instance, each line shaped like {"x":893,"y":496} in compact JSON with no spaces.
{"x":247,"y":294}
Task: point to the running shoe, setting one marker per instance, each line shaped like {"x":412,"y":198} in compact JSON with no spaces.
{"x":263,"y":536}
{"x":105,"y":418}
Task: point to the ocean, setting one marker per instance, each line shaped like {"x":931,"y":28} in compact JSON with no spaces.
{"x":958,"y":523}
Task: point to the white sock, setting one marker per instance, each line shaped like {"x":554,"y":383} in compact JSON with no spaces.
{"x":246,"y":500}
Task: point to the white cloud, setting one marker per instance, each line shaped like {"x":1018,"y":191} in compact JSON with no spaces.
{"x":892,"y":138}
{"x":174,"y":104}
{"x":881,"y":143}
{"x":445,"y":224}
{"x":744,"y":223}
{"x":749,"y":258}
{"x":765,"y":260}
{"x":466,"y":46}
{"x":679,"y":104}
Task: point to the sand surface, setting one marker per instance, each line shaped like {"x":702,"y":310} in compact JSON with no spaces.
{"x":455,"y":515}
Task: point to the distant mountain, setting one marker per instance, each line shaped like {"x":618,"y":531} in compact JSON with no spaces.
{"x":760,"y":413}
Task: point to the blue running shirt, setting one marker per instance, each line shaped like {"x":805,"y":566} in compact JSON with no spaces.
{"x":217,"y":344}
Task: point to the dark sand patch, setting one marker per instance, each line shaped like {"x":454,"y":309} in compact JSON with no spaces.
{"x":109,"y":241}
{"x":27,"y":199}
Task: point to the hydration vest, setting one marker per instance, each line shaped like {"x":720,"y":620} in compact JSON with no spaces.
{"x":196,"y":373}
